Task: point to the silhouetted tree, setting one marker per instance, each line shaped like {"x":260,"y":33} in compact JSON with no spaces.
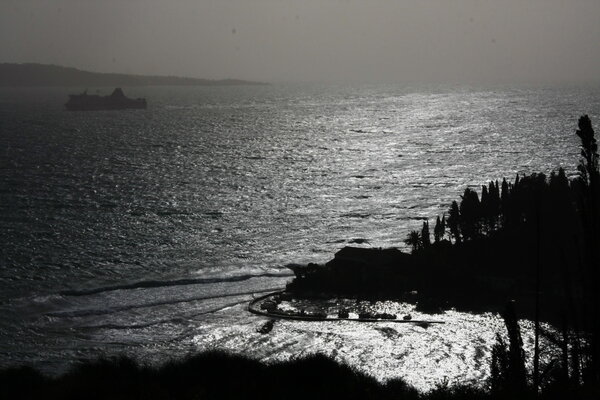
{"x":504,"y":196}
{"x":491,"y":208}
{"x":508,"y":374}
{"x":440,"y":228}
{"x":588,"y":165}
{"x":414,"y":240}
{"x":559,"y":180}
{"x":485,"y":209}
{"x":453,"y":222}
{"x":470,"y":214}
{"x":425,"y":236}
{"x":589,"y":180}
{"x":495,"y":197}
{"x":507,"y":204}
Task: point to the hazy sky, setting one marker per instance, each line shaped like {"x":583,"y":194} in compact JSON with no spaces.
{"x":311,"y":40}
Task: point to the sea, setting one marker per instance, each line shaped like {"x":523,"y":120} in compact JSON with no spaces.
{"x":147,"y":232}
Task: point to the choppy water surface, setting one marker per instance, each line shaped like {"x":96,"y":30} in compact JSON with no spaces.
{"x":146,"y":232}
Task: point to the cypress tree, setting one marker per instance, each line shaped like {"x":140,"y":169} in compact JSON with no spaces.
{"x":438,"y":230}
{"x":470,"y":214}
{"x":425,"y":237}
{"x":588,"y":165}
{"x":494,"y":205}
{"x":485,"y":209}
{"x":589,"y":177}
{"x":504,"y":202}
{"x":443,"y":229}
{"x":454,"y":221}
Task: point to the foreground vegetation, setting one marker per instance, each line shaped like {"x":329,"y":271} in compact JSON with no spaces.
{"x":218,"y":375}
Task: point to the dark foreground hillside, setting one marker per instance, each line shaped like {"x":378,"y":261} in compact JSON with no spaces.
{"x":217,"y":375}
{"x":209,"y":375}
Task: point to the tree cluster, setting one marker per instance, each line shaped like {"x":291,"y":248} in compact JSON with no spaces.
{"x":509,"y":205}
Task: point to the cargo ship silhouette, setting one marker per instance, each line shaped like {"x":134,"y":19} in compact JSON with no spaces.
{"x":115,"y":101}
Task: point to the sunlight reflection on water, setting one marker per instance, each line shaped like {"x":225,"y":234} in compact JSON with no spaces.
{"x":457,"y":351}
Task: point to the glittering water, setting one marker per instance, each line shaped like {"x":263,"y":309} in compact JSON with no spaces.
{"x":208,"y":194}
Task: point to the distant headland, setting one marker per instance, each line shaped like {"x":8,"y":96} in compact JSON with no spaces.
{"x":32,"y":75}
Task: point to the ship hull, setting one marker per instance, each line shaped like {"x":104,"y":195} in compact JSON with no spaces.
{"x":97,"y":107}
{"x":116,"y":101}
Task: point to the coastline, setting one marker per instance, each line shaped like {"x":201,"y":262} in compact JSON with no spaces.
{"x":254,"y":307}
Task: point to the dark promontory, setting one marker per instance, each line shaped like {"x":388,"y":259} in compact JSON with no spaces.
{"x":32,"y":75}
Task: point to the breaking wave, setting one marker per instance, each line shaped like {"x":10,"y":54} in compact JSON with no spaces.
{"x":176,"y":282}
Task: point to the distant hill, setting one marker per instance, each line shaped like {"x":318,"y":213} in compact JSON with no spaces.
{"x":19,"y":75}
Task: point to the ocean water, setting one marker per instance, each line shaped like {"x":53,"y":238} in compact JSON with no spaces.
{"x":147,"y":232}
